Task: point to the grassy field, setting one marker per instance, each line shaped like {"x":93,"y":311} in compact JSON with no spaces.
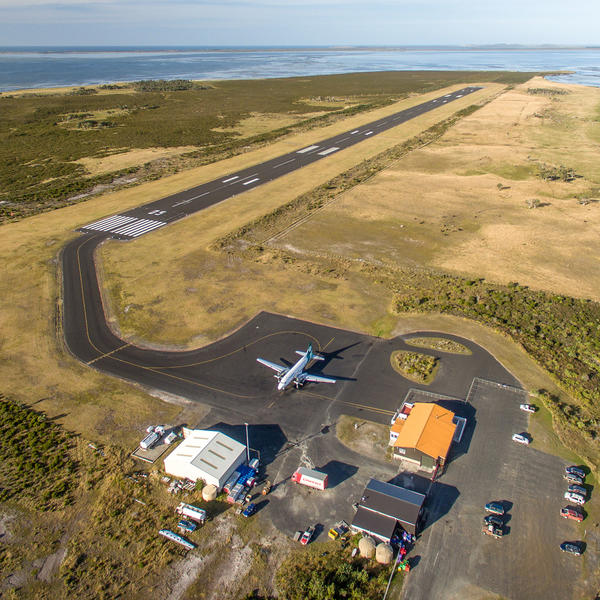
{"x":51,"y":140}
{"x":461,"y":205}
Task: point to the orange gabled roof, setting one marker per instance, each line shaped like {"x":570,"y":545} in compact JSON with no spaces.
{"x":398,"y":425}
{"x":429,"y":429}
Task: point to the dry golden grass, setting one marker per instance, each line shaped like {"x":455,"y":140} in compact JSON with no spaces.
{"x":261,"y":123}
{"x":72,"y":120}
{"x":131,"y":158}
{"x":54,"y":91}
{"x":442,"y":206}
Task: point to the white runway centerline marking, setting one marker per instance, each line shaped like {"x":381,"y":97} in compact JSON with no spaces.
{"x":328,"y":151}
{"x":180,"y":203}
{"x":251,"y":181}
{"x":306,"y":149}
{"x":353,"y":132}
{"x":368,"y":133}
{"x":287,"y":162}
{"x":230,"y":179}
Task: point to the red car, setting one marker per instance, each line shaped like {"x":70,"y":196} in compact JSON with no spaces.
{"x":568,"y":512}
{"x":307,"y":536}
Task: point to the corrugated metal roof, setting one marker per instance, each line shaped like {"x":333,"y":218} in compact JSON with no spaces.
{"x":429,"y":429}
{"x":210,"y":451}
{"x":395,"y":491}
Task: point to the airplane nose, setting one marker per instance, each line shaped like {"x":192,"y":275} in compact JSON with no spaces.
{"x":279,"y":386}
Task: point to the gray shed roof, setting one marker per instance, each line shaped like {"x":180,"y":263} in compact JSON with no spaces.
{"x":392,"y":501}
{"x":373,"y":523}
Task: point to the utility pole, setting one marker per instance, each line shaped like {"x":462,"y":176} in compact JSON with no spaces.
{"x":247,"y":444}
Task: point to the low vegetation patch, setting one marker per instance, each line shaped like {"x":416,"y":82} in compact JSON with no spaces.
{"x":414,"y":365}
{"x":547,"y":92}
{"x":334,"y":575}
{"x":438,"y":343}
{"x":557,"y":173}
{"x":37,"y":462}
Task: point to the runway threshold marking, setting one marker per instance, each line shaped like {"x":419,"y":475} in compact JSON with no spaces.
{"x":89,"y":362}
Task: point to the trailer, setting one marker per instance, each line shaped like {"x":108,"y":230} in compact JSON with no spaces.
{"x":230,"y":483}
{"x":235,"y":493}
{"x":191,"y":512}
{"x":310,"y":478}
{"x":178,"y":539}
{"x":149,"y":441}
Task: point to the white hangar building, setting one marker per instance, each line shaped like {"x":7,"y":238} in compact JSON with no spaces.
{"x":204,"y":454}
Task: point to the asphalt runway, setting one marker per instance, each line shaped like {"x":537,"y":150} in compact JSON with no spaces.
{"x":152,"y":216}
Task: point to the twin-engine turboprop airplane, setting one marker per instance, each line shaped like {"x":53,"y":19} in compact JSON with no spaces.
{"x":296,"y":374}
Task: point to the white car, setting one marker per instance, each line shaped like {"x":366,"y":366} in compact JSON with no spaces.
{"x":522,"y":439}
{"x":575,"y":498}
{"x":530,"y":408}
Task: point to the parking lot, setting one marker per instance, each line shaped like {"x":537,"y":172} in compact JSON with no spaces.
{"x":455,"y":560}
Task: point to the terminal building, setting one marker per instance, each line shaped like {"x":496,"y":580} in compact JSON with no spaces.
{"x":422,"y":434}
{"x":208,"y":455}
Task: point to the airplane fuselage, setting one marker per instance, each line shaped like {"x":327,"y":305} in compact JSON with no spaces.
{"x":294,"y":373}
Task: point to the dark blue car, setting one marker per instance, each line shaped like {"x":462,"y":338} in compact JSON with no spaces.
{"x":249,"y":510}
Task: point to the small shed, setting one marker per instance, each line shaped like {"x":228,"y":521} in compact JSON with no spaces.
{"x":385,"y":509}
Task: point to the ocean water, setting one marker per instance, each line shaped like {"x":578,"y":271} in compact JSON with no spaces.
{"x":54,"y":66}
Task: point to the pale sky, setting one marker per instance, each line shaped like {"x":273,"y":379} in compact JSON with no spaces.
{"x":298,"y":22}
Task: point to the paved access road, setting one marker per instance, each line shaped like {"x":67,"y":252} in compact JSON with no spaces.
{"x":147,"y":218}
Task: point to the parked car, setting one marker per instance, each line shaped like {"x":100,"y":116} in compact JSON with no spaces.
{"x":530,"y":408}
{"x":575,"y":548}
{"x":249,"y":510}
{"x":492,"y":530}
{"x":572,"y":478}
{"x":493,"y":520}
{"x":521,"y":438}
{"x":570,"y":512}
{"x":307,"y":536}
{"x":575,"y":498}
{"x":575,"y":471}
{"x":495,"y":508}
{"x":577,"y":489}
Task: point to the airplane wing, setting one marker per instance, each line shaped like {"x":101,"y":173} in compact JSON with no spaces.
{"x":318,"y":379}
{"x":274,"y":366}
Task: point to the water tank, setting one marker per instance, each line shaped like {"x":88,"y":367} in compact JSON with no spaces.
{"x":209,"y":492}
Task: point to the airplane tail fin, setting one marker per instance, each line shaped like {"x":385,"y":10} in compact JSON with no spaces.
{"x":309,"y":354}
